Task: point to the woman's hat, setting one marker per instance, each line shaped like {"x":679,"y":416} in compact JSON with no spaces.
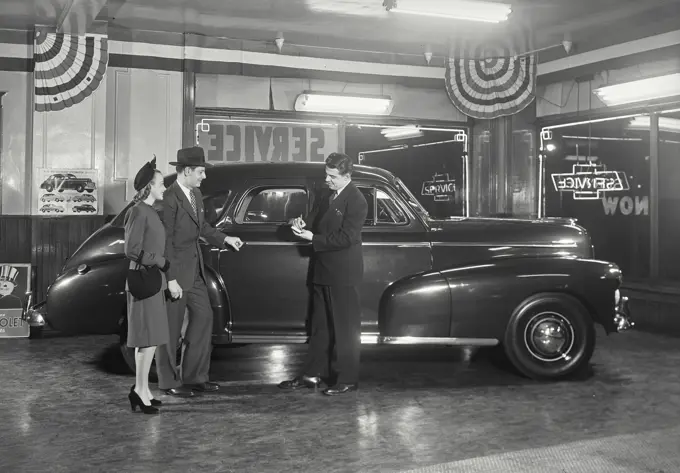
{"x":145,"y":174}
{"x":194,"y":156}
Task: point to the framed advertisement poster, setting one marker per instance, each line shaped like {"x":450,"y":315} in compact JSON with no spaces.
{"x":15,"y":282}
{"x":67,"y":192}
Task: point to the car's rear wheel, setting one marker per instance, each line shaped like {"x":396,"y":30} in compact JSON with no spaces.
{"x":550,"y":336}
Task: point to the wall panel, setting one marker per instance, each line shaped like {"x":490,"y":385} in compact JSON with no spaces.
{"x":144,"y":118}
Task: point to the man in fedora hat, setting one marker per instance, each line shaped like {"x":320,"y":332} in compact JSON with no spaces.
{"x":184,"y":221}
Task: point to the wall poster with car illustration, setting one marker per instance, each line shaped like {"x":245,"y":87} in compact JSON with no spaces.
{"x":67,"y":192}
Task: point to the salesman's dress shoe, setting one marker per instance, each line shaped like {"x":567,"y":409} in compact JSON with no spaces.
{"x":340,"y":389}
{"x":207,"y":387}
{"x":179,"y":392}
{"x":304,"y":381}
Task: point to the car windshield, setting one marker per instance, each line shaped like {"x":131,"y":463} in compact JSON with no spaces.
{"x":413,"y":202}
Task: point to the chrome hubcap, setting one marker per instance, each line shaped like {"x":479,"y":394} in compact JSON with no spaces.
{"x":549,"y":337}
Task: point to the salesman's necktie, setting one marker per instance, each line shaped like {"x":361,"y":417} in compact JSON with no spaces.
{"x":193,"y":202}
{"x":334,"y":195}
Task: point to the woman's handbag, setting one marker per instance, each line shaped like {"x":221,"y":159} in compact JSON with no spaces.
{"x":144,"y":281}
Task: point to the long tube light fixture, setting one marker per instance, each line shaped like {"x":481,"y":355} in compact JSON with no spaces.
{"x":326,"y":102}
{"x":401,"y":132}
{"x":471,"y":10}
{"x":642,"y":90}
{"x":665,"y":124}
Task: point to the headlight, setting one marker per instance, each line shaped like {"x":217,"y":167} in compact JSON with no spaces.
{"x":617,"y":297}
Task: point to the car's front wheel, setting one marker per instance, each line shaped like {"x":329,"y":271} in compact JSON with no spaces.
{"x":550,"y":336}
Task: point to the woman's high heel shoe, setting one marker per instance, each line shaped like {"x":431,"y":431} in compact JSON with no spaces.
{"x":136,"y":401}
{"x":154,"y":402}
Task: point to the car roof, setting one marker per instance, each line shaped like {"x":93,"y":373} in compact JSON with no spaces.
{"x":239,"y":171}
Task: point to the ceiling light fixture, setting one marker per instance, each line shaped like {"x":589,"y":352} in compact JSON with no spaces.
{"x":471,"y":10}
{"x":642,"y":90}
{"x":401,"y":132}
{"x":326,"y":102}
{"x":665,"y":124}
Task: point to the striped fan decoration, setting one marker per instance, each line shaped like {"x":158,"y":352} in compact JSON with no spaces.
{"x":494,"y":79}
{"x":68,"y":69}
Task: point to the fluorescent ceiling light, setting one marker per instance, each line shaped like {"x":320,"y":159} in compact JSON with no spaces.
{"x":343,"y":104}
{"x":490,"y":12}
{"x":401,"y":132}
{"x":640,"y":90}
{"x":665,"y":124}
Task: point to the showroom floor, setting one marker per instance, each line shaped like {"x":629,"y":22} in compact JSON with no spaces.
{"x":63,"y":408}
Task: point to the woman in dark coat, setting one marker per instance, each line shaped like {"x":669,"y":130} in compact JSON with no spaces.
{"x":147,"y":318}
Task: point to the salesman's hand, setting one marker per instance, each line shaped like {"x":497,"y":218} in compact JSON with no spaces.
{"x":234,"y":242}
{"x":304,"y":234}
{"x":175,"y":289}
{"x":298,"y":224}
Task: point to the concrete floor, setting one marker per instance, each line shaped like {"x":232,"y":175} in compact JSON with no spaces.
{"x":63,"y":408}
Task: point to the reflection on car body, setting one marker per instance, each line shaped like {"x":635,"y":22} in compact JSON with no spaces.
{"x":531,"y":286}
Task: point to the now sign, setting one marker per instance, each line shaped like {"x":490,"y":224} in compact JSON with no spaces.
{"x":226,"y":141}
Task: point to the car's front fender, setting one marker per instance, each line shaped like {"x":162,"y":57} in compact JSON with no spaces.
{"x":483,"y":296}
{"x":88,"y":299}
{"x":476,"y":301}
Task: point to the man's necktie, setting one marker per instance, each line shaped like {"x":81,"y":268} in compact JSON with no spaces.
{"x":334,"y":195}
{"x":193,"y":203}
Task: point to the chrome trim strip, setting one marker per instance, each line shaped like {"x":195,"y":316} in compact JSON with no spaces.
{"x":274,"y":339}
{"x":400,"y":244}
{"x":486,"y":342}
{"x":273,"y":243}
{"x":509,"y":245}
{"x":372,"y":339}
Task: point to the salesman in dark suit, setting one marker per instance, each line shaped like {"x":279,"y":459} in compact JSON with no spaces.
{"x":338,"y":267}
{"x":184,"y":221}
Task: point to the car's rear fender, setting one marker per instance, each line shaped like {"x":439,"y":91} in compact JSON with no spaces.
{"x":484,"y":296}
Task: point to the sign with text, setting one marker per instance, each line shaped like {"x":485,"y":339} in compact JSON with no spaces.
{"x":228,"y":141}
{"x":15,"y":282}
{"x":441,"y":187}
{"x":589,"y":181}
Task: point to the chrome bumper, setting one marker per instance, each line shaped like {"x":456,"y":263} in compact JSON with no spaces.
{"x":35,"y":315}
{"x":622,"y":315}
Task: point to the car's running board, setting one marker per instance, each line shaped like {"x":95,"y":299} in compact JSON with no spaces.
{"x":372,"y":339}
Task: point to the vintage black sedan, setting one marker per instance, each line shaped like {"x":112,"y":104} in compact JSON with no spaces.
{"x":530,"y":286}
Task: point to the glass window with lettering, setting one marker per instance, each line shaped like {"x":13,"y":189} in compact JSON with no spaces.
{"x":272,"y":205}
{"x":598,"y":173}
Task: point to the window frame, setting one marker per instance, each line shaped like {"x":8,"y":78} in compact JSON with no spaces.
{"x":238,"y":219}
{"x":392,"y":195}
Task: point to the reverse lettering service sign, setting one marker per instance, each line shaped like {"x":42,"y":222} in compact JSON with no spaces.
{"x":228,"y":141}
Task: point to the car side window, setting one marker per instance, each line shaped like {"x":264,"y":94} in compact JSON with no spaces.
{"x":272,"y":205}
{"x":387,"y":210}
{"x":369,"y":195}
{"x":214,"y":206}
{"x":382,"y":208}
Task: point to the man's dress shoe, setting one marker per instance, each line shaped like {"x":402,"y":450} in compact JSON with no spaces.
{"x":304,"y":381}
{"x":340,"y":389}
{"x":179,"y":392}
{"x":207,"y":387}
